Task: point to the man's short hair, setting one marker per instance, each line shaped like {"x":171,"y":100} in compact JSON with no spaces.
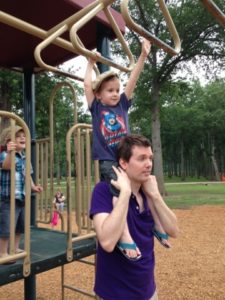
{"x":127,"y":143}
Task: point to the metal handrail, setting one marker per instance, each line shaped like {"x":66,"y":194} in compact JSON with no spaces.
{"x":143,"y":32}
{"x":47,"y":144}
{"x":214,"y":10}
{"x":78,"y":130}
{"x":53,"y":34}
{"x":42,"y":34}
{"x":14,"y":119}
{"x":100,"y":5}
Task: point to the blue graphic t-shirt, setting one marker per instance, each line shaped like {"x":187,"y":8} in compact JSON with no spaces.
{"x":110,"y":124}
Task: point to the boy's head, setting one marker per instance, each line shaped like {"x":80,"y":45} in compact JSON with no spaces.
{"x":106,"y":88}
{"x":100,"y":79}
{"x":19,"y":136}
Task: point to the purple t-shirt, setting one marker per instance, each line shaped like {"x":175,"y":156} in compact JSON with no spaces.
{"x":116,"y":276}
{"x":110,"y":124}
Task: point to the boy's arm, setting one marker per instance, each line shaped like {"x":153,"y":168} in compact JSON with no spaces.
{"x":88,"y":80}
{"x":135,"y":73}
{"x":6,"y":164}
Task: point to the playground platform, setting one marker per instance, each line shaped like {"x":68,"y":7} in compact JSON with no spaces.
{"x":48,"y":251}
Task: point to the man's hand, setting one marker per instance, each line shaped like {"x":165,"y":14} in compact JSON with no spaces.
{"x":150,"y":187}
{"x":123,"y":182}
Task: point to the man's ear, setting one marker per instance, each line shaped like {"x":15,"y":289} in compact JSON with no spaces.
{"x":123,"y":164}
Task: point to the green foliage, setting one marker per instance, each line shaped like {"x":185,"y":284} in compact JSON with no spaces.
{"x":11,"y":98}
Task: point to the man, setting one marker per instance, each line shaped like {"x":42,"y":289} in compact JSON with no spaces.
{"x":117,"y":276}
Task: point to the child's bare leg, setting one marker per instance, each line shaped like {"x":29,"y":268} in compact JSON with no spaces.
{"x":4,"y":243}
{"x":127,"y":239}
{"x":158,"y":225}
{"x":17,"y":243}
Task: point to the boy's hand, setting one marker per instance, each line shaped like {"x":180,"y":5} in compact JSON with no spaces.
{"x":37,"y":188}
{"x":146,"y":47}
{"x":97,"y":55}
{"x":11,"y":146}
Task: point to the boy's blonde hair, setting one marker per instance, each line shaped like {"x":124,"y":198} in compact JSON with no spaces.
{"x":6,"y":133}
{"x":96,"y":84}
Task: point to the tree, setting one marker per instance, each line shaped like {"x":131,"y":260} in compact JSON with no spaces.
{"x":202,"y":44}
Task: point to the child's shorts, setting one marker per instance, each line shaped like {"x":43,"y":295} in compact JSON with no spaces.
{"x":5,"y":218}
{"x":107,"y":173}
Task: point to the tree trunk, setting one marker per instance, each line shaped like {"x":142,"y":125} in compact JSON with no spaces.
{"x":214,"y":163}
{"x":156,"y":140}
{"x":182,"y":171}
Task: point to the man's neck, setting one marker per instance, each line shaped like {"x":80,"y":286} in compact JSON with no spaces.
{"x":135,"y":187}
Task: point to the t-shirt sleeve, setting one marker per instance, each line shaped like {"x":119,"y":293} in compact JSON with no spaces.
{"x":93,"y":105}
{"x":101,"y":200}
{"x":126,"y":103}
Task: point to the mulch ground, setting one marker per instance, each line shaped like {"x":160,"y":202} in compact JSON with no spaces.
{"x":194,"y":269}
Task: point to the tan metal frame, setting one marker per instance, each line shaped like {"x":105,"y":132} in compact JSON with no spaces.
{"x":53,"y":35}
{"x":45,"y":159}
{"x":42,"y":34}
{"x":82,"y":133}
{"x":14,"y":119}
{"x":143,"y":32}
{"x":214,"y":10}
{"x":100,"y":5}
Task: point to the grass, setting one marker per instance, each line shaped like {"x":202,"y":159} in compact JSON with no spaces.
{"x":184,"y":195}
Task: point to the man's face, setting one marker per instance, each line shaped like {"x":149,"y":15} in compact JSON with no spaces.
{"x":140,"y":164}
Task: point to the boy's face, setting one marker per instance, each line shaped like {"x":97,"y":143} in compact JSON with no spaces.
{"x":20,"y":141}
{"x":109,"y":93}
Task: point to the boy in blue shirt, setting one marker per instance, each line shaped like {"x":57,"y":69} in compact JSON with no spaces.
{"x":5,"y":165}
{"x":109,"y":110}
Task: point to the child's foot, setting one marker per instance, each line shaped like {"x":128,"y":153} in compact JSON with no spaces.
{"x":5,"y":255}
{"x":129,"y":248}
{"x":18,"y":250}
{"x":162,"y":238}
{"x":131,"y":251}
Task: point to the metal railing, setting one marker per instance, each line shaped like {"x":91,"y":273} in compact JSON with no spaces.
{"x":45,"y":161}
{"x":100,"y":5}
{"x":143,"y":32}
{"x":214,"y":10}
{"x":87,"y":174}
{"x":14,"y":120}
